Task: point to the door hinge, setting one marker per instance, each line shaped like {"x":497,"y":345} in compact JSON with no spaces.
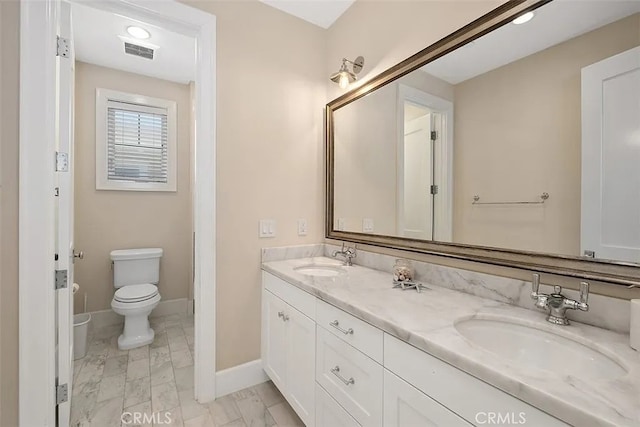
{"x":590,"y":254}
{"x":64,"y":47}
{"x":62,"y":162}
{"x":434,"y":135}
{"x":434,"y":189}
{"x":61,"y":279}
{"x":62,"y":393}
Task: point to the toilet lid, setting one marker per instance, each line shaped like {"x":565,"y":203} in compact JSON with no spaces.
{"x":136,"y":293}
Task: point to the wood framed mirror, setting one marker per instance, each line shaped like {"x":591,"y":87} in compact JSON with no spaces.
{"x":503,"y":143}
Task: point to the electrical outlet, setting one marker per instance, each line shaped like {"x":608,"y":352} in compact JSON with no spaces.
{"x":267,"y":228}
{"x":341,"y":224}
{"x":302,"y":227}
{"x":367,"y":225}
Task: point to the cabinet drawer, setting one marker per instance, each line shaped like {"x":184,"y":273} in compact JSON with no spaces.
{"x":329,"y":413}
{"x":460,"y":392}
{"x":361,"y":335}
{"x":351,"y":378}
{"x":296,"y":297}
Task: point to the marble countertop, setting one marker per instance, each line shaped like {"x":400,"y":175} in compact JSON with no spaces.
{"x":427,"y":321}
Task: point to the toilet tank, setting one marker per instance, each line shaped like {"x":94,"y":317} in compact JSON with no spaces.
{"x":136,"y":266}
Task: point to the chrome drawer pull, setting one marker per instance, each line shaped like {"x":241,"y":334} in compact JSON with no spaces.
{"x":336,"y":371}
{"x":336,"y":325}
{"x":283,"y":316}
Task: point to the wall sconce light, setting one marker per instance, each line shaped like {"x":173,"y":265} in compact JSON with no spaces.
{"x":343,"y":77}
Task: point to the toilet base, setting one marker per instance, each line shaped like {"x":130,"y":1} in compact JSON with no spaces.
{"x":131,"y":342}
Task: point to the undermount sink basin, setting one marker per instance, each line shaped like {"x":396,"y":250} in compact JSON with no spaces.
{"x":531,"y":347}
{"x":320,"y":270}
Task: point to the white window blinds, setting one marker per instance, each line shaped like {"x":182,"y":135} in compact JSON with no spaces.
{"x":137,"y":143}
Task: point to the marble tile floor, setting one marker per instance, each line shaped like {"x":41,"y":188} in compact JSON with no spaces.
{"x":153,"y":386}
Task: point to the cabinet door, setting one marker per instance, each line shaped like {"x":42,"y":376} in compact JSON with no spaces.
{"x":274,"y":339}
{"x":329,"y":413}
{"x":406,"y":406}
{"x":301,"y":364}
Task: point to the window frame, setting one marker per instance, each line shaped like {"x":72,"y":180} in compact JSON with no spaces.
{"x":103,"y":96}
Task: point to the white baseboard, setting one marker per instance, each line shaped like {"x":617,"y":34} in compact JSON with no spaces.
{"x":240,"y":377}
{"x":103,"y":318}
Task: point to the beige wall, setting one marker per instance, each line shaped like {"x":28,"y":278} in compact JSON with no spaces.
{"x":270,"y":93}
{"x":518,"y":134}
{"x":9,"y":85}
{"x":107,"y":220}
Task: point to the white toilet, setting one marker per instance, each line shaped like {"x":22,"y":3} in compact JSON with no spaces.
{"x":136,"y":273}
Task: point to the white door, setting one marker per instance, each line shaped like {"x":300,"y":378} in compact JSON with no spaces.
{"x":406,"y":406}
{"x":610,"y":157}
{"x":64,"y":205}
{"x":417,"y":216}
{"x":274,"y":342}
{"x":301,"y":364}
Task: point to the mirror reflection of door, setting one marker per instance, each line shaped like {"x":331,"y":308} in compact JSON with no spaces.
{"x":418,"y":173}
{"x":611,"y":154}
{"x":423,"y":167}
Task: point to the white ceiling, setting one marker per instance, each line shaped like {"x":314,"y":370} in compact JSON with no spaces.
{"x":322,"y":13}
{"x":558,"y":21}
{"x":96,"y":37}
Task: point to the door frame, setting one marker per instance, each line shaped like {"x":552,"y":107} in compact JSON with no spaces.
{"x":443,"y":153}
{"x":37,"y":226}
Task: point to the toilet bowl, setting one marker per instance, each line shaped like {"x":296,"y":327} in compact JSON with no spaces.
{"x":135,"y":303}
{"x":135,"y":275}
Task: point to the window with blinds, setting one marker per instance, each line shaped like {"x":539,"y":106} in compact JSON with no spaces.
{"x":137,"y":143}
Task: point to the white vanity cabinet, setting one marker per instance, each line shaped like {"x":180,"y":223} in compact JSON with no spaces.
{"x":288,"y":345}
{"x":336,"y":370}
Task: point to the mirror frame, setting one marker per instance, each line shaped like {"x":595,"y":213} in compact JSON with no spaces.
{"x":615,"y":272}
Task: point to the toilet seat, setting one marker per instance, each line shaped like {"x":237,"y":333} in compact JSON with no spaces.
{"x":136,"y":293}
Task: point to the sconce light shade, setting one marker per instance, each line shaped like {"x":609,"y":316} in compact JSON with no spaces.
{"x":344,"y":76}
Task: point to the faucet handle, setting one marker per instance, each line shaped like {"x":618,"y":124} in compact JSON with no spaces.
{"x":557,"y":289}
{"x":535,"y":285}
{"x":584,"y":292}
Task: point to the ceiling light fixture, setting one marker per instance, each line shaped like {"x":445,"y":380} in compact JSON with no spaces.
{"x":343,"y":77}
{"x":523,"y":18}
{"x":138,"y":32}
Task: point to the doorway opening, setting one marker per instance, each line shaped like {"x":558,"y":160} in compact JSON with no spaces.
{"x":47,"y":212}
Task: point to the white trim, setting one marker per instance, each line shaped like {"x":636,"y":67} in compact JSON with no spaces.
{"x":143,"y":103}
{"x":240,"y":377}
{"x":36,"y":244}
{"x":102,"y":318}
{"x":37,"y":227}
{"x":443,"y":154}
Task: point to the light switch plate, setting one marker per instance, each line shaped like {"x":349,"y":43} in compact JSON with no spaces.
{"x":341,"y":224}
{"x":267,"y":228}
{"x":302,"y":227}
{"x":367,"y":225}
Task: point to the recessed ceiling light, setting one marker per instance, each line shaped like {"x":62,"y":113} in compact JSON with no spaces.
{"x":138,"y":32}
{"x":523,"y":18}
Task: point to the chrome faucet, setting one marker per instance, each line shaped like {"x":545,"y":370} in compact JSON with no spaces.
{"x":558,"y":304}
{"x":348,"y":253}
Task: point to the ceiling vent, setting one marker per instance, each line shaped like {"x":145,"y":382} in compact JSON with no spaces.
{"x":137,"y":50}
